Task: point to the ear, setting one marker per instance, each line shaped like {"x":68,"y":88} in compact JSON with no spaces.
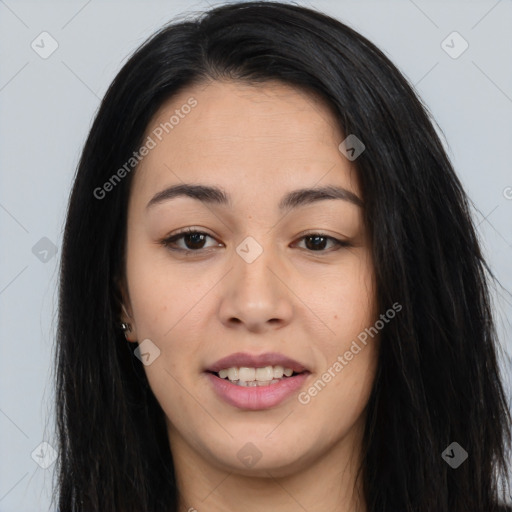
{"x":126,"y":315}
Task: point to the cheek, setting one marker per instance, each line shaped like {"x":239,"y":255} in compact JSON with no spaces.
{"x":341,"y":387}
{"x":346,"y":299}
{"x":344,"y":398}
{"x":169,"y":306}
{"x":348,"y":353}
{"x":160,"y":296}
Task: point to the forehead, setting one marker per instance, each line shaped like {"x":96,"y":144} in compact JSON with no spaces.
{"x":244,"y":136}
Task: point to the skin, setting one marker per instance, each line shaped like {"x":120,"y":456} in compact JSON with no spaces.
{"x":257,"y":143}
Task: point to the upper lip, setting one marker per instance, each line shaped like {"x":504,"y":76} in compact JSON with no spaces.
{"x":256,"y":361}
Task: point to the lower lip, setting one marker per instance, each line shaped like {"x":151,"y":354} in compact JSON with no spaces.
{"x":257,"y":397}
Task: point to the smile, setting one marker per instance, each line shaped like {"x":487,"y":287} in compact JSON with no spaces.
{"x":255,"y":394}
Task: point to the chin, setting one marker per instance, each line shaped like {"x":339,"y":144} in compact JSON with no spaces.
{"x":256,"y":458}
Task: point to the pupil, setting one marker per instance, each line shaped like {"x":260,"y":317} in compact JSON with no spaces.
{"x":316,"y":239}
{"x":197,"y":236}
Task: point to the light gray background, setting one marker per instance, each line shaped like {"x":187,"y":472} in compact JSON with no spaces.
{"x":47,"y":106}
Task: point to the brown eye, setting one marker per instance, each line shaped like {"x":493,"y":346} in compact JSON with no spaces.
{"x":316,"y":242}
{"x":193,"y":240}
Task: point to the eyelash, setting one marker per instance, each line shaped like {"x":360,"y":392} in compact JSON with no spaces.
{"x":167,"y":242}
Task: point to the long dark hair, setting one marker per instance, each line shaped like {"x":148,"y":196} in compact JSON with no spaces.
{"x":438,"y":377}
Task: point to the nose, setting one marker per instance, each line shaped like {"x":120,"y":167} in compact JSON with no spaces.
{"x":256,"y":295}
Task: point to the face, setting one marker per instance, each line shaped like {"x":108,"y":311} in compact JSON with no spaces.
{"x":279,"y":280}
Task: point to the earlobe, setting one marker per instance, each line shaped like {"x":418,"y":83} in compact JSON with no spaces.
{"x":128,"y":331}
{"x":128,"y":326}
{"x":126,"y":322}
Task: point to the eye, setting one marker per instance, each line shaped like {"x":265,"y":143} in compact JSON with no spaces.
{"x":316,"y":242}
{"x":194,"y":241}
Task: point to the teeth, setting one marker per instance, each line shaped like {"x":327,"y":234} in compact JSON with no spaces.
{"x":254,"y":383}
{"x":264,"y":374}
{"x":233,"y":373}
{"x":247,"y":374}
{"x":251,"y":377}
{"x":278,"y":372}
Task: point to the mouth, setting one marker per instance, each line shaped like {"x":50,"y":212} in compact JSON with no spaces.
{"x":256,"y":377}
{"x":257,"y":382}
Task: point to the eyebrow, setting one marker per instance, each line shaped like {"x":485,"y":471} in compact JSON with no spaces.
{"x":217,"y":196}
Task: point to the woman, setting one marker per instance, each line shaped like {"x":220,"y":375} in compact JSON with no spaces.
{"x":272,"y":295}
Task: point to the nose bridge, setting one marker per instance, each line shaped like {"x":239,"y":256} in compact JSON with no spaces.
{"x":253,"y":260}
{"x":255,"y":294}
